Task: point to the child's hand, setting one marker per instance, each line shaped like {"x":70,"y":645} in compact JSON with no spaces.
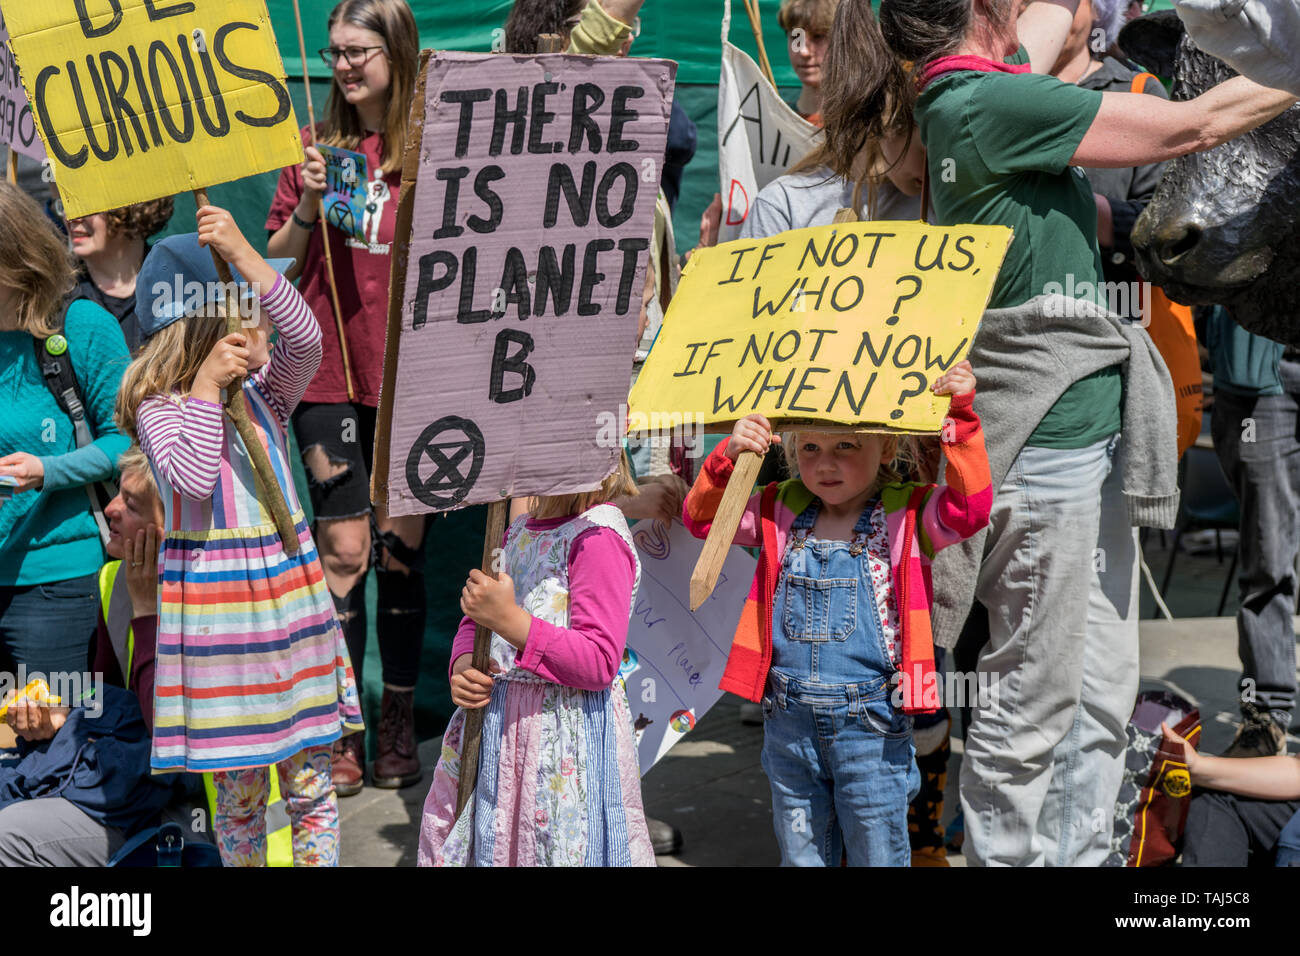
{"x":1190,"y":756}
{"x":659,"y":499}
{"x":225,"y":364}
{"x":491,"y":602}
{"x":958,"y":380}
{"x":752,"y":433}
{"x":471,"y":688}
{"x":217,"y":229}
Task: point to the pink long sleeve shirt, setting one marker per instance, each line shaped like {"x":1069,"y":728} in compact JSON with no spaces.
{"x":587,"y":653}
{"x":184,"y":439}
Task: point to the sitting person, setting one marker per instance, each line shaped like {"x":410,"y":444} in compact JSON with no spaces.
{"x":62,"y":831}
{"x":1247,"y":810}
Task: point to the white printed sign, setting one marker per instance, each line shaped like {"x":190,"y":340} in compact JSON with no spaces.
{"x":675,"y":658}
{"x":759,"y":135}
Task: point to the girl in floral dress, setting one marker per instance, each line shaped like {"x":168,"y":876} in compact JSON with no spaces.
{"x":558,"y":781}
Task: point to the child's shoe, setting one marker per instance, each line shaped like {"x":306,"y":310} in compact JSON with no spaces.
{"x":347,"y":764}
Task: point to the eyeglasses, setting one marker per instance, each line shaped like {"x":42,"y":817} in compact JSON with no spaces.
{"x":353,"y":56}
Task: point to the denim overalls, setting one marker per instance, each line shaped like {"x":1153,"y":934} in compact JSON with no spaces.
{"x":838,"y":755}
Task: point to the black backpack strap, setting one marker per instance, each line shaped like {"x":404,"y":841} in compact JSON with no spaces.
{"x":54,"y":359}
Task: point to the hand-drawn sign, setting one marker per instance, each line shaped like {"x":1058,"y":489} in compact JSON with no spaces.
{"x":450,"y":479}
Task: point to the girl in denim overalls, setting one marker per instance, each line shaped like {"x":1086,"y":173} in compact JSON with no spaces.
{"x":835,"y":635}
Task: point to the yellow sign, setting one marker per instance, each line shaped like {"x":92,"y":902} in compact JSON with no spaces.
{"x":137,"y":99}
{"x":846,"y":324}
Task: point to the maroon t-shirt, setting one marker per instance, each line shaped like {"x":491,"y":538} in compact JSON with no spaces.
{"x":361,"y":273}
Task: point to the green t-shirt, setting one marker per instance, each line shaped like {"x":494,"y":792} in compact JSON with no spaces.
{"x":999,"y":148}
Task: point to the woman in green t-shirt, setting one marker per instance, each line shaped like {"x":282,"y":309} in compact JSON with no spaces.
{"x":1059,"y":573}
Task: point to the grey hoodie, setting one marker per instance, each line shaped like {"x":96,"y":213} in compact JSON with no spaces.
{"x":1025,"y":357}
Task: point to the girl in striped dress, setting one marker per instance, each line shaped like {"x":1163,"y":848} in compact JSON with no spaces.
{"x":251,"y":667}
{"x":558,"y":779}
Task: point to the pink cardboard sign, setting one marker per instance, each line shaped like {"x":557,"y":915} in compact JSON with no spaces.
{"x":17,"y":125}
{"x":532,"y":219}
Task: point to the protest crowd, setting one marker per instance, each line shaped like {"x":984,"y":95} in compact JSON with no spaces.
{"x":152,"y":531}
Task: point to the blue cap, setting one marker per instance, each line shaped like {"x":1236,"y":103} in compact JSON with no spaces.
{"x":179,"y":277}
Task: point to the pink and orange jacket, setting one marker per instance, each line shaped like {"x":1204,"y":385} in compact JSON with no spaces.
{"x":922,"y":519}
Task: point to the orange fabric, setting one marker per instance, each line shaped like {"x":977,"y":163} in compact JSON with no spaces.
{"x":1170,"y":327}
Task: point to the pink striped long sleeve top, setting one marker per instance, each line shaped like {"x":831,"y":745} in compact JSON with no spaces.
{"x":183,"y":437}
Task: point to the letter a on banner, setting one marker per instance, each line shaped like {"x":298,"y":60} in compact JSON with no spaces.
{"x":759,"y":135}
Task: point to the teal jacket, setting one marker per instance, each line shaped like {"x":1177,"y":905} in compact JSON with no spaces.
{"x":1242,"y":363}
{"x":49,"y":535}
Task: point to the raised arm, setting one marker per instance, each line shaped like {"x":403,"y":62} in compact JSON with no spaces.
{"x":705,"y":496}
{"x":1043,"y":29}
{"x":183,"y":441}
{"x":296,"y":355}
{"x":1131,"y":129}
{"x":959,"y":507}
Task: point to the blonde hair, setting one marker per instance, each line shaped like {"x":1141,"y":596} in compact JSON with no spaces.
{"x":169,"y":361}
{"x":394,"y":22}
{"x":134,"y":460}
{"x":906,"y":459}
{"x":36,"y":267}
{"x":617,"y":485}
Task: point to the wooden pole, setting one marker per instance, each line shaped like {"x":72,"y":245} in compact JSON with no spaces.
{"x":268,"y":488}
{"x":473,"y":727}
{"x":320,"y":214}
{"x":498,"y":513}
{"x":751,"y":8}
{"x":723,"y":530}
{"x":12,"y":166}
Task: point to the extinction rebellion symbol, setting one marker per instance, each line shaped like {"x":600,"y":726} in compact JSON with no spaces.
{"x":445,"y":461}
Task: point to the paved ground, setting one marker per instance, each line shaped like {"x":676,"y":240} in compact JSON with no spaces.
{"x":711,"y":785}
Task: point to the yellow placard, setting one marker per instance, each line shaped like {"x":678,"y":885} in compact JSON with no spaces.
{"x":138,"y":99}
{"x":846,"y":324}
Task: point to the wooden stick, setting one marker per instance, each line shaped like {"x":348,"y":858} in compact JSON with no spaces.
{"x":473,"y":726}
{"x":723,"y":530}
{"x":751,"y":8}
{"x":550,"y":43}
{"x":320,"y":214}
{"x":397,"y":284}
{"x":268,"y":488}
{"x":12,"y":166}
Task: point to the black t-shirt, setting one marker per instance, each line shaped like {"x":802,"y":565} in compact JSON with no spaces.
{"x":121,"y":307}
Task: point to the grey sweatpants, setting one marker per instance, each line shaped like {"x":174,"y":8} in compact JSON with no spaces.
{"x":54,"y":832}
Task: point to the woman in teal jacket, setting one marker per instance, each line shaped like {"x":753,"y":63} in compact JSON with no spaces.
{"x":50,"y":548}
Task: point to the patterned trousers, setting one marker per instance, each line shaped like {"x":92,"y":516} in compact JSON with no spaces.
{"x":309,"y":798}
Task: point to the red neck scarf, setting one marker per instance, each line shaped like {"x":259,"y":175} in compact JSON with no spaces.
{"x":952,"y":64}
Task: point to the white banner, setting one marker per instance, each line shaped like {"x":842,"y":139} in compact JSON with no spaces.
{"x":675,"y":658}
{"x":759,"y":135}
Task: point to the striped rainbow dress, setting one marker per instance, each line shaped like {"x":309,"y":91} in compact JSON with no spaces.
{"x":251,"y":665}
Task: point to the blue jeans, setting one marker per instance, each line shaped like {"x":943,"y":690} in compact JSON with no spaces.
{"x":843,"y":770}
{"x":49,"y":627}
{"x":838,"y":754}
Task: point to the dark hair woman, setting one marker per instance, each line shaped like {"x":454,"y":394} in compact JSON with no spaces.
{"x":1059,"y":381}
{"x":374,"y":51}
{"x":50,"y":547}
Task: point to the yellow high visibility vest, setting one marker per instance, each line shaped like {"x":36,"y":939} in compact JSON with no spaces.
{"x":279,"y":833}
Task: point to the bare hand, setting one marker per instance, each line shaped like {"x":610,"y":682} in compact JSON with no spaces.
{"x":471,"y":688}
{"x":227,"y":363}
{"x":140,"y":564}
{"x":1190,"y":756}
{"x":26,"y":468}
{"x":752,"y":433}
{"x":33,"y":721}
{"x":313,"y":172}
{"x":958,"y":380}
{"x":711,"y":222}
{"x":660,"y":499}
{"x":491,"y":602}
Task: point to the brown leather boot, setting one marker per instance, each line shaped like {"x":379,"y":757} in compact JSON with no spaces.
{"x":397,"y":765}
{"x":348,"y":764}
